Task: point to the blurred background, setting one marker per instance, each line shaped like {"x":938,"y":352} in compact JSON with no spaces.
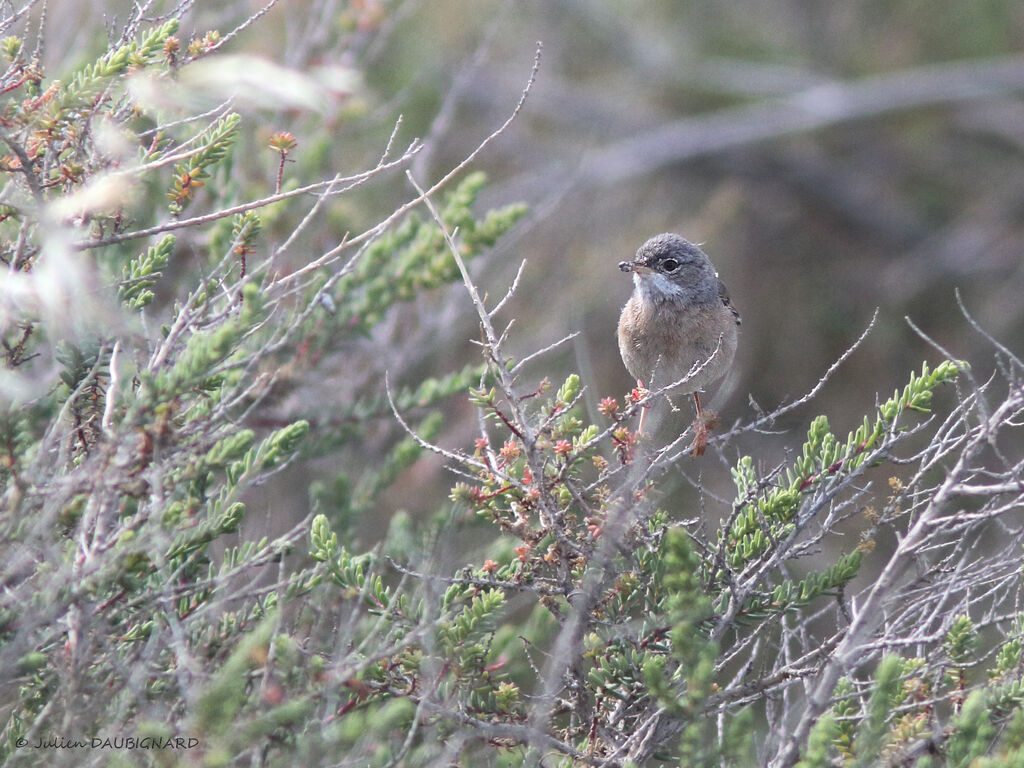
{"x":831,"y":158}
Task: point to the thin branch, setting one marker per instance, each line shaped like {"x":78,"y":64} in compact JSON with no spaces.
{"x":373,"y":232}
{"x":540,"y":352}
{"x":511,"y":289}
{"x":206,"y":218}
{"x":107,"y":423}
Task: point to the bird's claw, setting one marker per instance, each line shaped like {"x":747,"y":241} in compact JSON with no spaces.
{"x":703,"y":426}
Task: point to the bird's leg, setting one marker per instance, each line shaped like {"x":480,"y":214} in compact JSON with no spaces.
{"x":705,"y":422}
{"x":643,"y":408}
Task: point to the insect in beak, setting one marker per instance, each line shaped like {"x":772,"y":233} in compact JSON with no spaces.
{"x":635,"y":266}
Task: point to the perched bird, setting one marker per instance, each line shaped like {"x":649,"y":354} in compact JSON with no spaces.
{"x":678,"y":324}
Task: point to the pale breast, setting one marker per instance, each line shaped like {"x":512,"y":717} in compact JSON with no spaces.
{"x":661,"y":343}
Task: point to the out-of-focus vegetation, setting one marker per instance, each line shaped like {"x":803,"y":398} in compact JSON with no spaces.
{"x":908,"y":192}
{"x":260,"y":489}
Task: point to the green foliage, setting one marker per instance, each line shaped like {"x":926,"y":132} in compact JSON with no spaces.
{"x":280,"y":445}
{"x":972,"y":732}
{"x":1008,"y":657}
{"x":141,"y":273}
{"x":348,"y":572}
{"x":960,"y":640}
{"x":192,"y":174}
{"x":823,"y":456}
{"x":150,"y":570}
{"x":874,"y":726}
{"x":77,"y":363}
{"x":473,"y":622}
{"x":130,"y":476}
{"x":672,"y":580}
{"x":196,"y":364}
{"x":898,"y":715}
{"x":11,"y":47}
{"x":688,"y":608}
{"x":789,"y":594}
{"x":226,"y":693}
{"x":844,"y":713}
{"x":766,"y":513}
{"x":414,"y":257}
{"x":230,"y":448}
{"x":90,"y":81}
{"x":823,"y":734}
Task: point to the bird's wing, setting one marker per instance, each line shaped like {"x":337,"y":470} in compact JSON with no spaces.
{"x":723,"y":294}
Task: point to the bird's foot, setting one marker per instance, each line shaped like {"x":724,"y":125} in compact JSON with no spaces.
{"x":639,"y":393}
{"x":703,"y":426}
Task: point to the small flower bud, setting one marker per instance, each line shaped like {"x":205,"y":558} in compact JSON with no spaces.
{"x":283,"y":142}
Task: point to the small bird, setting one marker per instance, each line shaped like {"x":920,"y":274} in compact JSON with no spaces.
{"x":678,"y":320}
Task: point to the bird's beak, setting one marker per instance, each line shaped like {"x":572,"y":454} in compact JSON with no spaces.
{"x":634,"y":266}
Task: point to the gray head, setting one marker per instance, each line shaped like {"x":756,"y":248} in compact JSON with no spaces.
{"x":671,"y":265}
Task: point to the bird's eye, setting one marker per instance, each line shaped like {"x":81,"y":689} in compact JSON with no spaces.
{"x":670,"y":265}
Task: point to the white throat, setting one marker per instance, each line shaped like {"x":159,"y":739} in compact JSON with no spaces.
{"x":655,"y":286}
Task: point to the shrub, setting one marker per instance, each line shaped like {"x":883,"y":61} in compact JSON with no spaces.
{"x":156,"y":311}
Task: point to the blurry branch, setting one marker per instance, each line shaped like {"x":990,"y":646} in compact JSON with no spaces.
{"x":812,"y":108}
{"x":123,"y":469}
{"x":401,"y":210}
{"x":252,"y":19}
{"x":347,"y":184}
{"x":1001,"y":119}
{"x":130,"y":581}
{"x":8,"y":20}
{"x":849,"y":189}
{"x":751,"y":78}
{"x":493,"y":340}
{"x":464,"y":77}
{"x":662,"y":63}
